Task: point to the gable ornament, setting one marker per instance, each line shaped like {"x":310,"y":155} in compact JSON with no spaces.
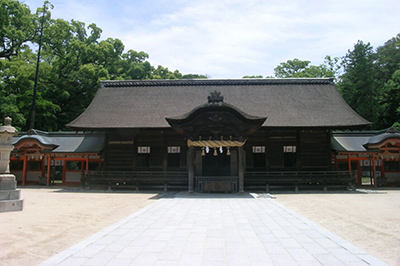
{"x":215,"y":97}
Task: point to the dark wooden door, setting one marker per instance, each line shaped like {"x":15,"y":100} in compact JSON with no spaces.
{"x":219,"y":165}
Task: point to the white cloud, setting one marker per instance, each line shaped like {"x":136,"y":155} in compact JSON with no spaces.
{"x":230,"y":39}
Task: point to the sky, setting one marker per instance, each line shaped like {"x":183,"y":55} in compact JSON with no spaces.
{"x":232,"y":39}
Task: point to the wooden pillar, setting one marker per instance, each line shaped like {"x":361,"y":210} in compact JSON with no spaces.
{"x":359,"y":172}
{"x":190,"y":162}
{"x":105,"y":153}
{"x":336,"y":162}
{"x":241,"y":170}
{"x":329,"y":150}
{"x":298,"y":149}
{"x":25,"y":170}
{"x":164,"y":152}
{"x":198,"y":162}
{"x":267,"y":150}
{"x":87,"y":163}
{"x":48,"y":170}
{"x":348,"y":157}
{"x":135,"y":153}
{"x":64,"y":171}
{"x":43,"y":159}
{"x":374,"y":167}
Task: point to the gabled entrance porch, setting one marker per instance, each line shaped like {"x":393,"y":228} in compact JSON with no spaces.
{"x":216,"y":134}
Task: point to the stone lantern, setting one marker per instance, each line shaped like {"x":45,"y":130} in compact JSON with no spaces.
{"x":9,"y":194}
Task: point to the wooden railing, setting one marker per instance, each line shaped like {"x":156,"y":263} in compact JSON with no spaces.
{"x":134,"y":179}
{"x":323,"y":179}
{"x":252,"y":180}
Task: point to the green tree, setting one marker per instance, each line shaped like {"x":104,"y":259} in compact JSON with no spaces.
{"x":396,"y":125}
{"x":387,"y":76}
{"x":17,"y":27}
{"x":390,"y":101}
{"x":302,"y":69}
{"x":16,"y":90}
{"x":163,"y":73}
{"x":387,"y":60}
{"x":194,"y":76}
{"x":358,"y":86}
{"x":253,"y":77}
{"x":134,"y":65}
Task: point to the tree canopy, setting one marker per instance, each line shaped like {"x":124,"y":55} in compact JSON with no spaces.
{"x":357,"y":85}
{"x":302,"y":69}
{"x":73,"y":61}
{"x":371,"y":82}
{"x":368,"y":79}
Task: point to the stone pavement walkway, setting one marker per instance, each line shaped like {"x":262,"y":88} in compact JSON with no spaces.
{"x":208,"y":229}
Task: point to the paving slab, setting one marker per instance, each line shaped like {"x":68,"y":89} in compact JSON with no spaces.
{"x":214,"y":229}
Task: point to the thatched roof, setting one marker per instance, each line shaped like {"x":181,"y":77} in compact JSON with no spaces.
{"x":286,"y":102}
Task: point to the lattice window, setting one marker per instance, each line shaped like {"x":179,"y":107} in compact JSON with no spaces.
{"x":143,"y":149}
{"x":289,"y":149}
{"x":258,"y":149}
{"x":174,"y":149}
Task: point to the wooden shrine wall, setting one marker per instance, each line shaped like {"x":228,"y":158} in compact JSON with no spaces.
{"x":313,"y":149}
{"x":122,"y":149}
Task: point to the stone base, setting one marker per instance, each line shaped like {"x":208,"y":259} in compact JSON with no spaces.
{"x":9,"y":194}
{"x":11,"y":205}
{"x":7,"y":182}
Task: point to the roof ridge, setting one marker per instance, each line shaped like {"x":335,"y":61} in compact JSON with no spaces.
{"x":213,"y":82}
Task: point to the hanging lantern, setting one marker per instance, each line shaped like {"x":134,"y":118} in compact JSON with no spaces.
{"x":203,"y":152}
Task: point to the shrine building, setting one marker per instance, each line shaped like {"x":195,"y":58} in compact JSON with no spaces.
{"x":211,"y":135}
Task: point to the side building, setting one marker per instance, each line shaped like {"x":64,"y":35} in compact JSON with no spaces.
{"x":373,"y":155}
{"x":55,"y":157}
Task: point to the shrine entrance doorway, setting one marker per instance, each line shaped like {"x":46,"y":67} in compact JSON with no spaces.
{"x":219,"y":165}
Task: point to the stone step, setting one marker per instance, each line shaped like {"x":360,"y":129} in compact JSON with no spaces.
{"x":11,"y":205}
{"x":10,"y":194}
